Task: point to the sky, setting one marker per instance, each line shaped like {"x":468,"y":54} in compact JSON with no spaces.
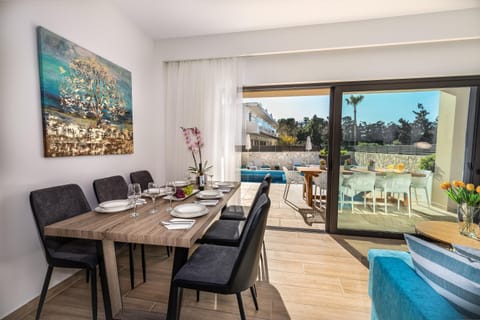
{"x":375,"y":107}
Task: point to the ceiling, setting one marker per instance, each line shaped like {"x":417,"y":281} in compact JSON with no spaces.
{"x":161,"y":19}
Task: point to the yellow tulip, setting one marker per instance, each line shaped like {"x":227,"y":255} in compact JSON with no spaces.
{"x":470,"y":187}
{"x":458,"y":184}
{"x":400,"y":167}
{"x":446,"y":186}
{"x":390,"y":167}
{"x":478,"y":189}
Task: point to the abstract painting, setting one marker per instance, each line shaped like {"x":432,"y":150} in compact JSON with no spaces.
{"x":86,"y":100}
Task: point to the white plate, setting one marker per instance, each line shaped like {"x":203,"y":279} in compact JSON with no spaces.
{"x":189,"y":210}
{"x":209,"y":194}
{"x":223,"y":185}
{"x":181,"y":183}
{"x":114,"y":204}
{"x":112,"y":210}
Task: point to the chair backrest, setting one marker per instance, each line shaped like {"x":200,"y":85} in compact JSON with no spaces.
{"x":361,"y":181}
{"x":245,"y":269}
{"x":422,"y":182}
{"x":142,"y":177}
{"x":321,"y":180}
{"x":399,"y":182}
{"x":268,"y":180}
{"x":55,"y":204}
{"x":110,"y":188}
{"x":292,"y":176}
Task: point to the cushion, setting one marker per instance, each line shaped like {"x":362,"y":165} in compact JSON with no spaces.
{"x":224,"y":232}
{"x":472,"y":254}
{"x":235,"y":212}
{"x":453,"y":276}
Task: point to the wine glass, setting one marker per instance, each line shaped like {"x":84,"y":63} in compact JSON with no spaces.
{"x":210,"y":178}
{"x":170,"y":190}
{"x":153,"y":192}
{"x":134,"y":193}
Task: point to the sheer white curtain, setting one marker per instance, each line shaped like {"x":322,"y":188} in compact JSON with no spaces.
{"x":204,"y":94}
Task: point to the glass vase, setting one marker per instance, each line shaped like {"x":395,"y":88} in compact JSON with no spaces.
{"x":466,"y":216}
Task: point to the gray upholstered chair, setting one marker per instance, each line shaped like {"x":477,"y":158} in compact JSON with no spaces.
{"x":54,"y":204}
{"x":237,"y":212}
{"x":224,"y":269}
{"x":142,"y":177}
{"x":115,"y":188}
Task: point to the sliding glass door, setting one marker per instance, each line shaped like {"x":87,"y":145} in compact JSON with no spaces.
{"x":395,"y":143}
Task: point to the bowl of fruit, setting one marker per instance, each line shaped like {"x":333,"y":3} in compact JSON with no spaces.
{"x":184,"y":192}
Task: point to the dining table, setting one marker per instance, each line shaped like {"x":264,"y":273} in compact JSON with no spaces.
{"x":309,"y":173}
{"x":146,"y":228}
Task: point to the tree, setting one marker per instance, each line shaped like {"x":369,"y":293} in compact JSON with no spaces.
{"x":287,"y":140}
{"x":422,"y":128}
{"x":354,"y":101}
{"x":404,"y":131}
{"x":89,"y":90}
{"x":287,"y":127}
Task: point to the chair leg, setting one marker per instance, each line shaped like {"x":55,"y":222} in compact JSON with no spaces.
{"x":48,"y":275}
{"x":198,"y":295}
{"x":265,"y":263}
{"x":168,"y":251}
{"x":144,"y":264}
{"x":240,"y":305}
{"x":87,"y":275}
{"x":254,"y":297}
{"x":428,"y":199}
{"x":132,"y":266}
{"x":94,"y":293}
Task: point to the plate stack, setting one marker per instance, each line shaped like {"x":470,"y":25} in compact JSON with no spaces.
{"x":209,"y":194}
{"x":114,"y":206}
{"x":189,"y":210}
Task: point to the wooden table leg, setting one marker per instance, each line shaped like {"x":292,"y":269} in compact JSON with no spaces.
{"x":179,"y":259}
{"x":112,"y":284}
{"x":308,"y":181}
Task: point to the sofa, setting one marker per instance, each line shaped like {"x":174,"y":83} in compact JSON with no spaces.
{"x":397,"y":292}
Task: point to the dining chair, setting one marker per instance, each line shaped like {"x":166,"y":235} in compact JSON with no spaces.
{"x":231,"y":232}
{"x":423,"y":183}
{"x":225,"y":269}
{"x":142,"y":177}
{"x":115,"y":188}
{"x":238,"y":212}
{"x":55,"y":204}
{"x":291,"y":177}
{"x":398,"y":183}
{"x":360,"y":182}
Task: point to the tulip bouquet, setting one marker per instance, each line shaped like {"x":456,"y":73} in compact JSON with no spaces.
{"x":461,"y":193}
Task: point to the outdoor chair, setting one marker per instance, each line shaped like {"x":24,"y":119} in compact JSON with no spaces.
{"x":320,"y":182}
{"x":422,"y":183}
{"x":115,"y":188}
{"x":360,"y":182}
{"x":395,"y":183}
{"x":225,"y":269}
{"x":55,"y":204}
{"x":291,"y":177}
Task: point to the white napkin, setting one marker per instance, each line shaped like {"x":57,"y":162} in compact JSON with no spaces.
{"x":208,"y":202}
{"x":178,"y":224}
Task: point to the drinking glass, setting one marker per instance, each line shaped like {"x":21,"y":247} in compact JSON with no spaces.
{"x":170,"y":191}
{"x":210,"y":179}
{"x":134,"y":193}
{"x":153,"y":192}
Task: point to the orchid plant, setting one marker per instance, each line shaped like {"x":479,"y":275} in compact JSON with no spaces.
{"x":193,"y":139}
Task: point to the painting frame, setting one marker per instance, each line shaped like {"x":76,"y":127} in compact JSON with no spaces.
{"x":86,"y":100}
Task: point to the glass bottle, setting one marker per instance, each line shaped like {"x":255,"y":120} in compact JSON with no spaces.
{"x":201,"y":178}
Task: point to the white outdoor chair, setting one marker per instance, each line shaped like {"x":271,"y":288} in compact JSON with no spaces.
{"x":360,"y":182}
{"x":395,"y":183}
{"x":422,"y":183}
{"x":320,"y":182}
{"x":291,"y":177}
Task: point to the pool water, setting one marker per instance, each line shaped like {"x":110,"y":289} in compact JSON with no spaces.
{"x":248,"y":175}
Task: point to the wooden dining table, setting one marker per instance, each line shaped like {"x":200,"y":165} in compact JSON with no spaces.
{"x":309,"y":173}
{"x":108,"y":228}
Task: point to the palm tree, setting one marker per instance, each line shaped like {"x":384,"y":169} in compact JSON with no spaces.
{"x":354,"y":101}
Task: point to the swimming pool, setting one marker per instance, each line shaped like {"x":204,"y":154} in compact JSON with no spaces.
{"x":257,"y":175}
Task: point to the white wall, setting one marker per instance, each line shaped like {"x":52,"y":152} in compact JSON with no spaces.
{"x":439,"y":44}
{"x":99,"y":27}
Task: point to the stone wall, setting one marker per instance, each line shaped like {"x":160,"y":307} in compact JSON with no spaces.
{"x":280,"y":159}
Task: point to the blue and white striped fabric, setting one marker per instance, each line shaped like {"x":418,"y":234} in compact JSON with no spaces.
{"x":472,"y":254}
{"x":453,"y":276}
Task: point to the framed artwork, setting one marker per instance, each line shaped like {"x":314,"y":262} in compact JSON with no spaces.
{"x":86,"y":100}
